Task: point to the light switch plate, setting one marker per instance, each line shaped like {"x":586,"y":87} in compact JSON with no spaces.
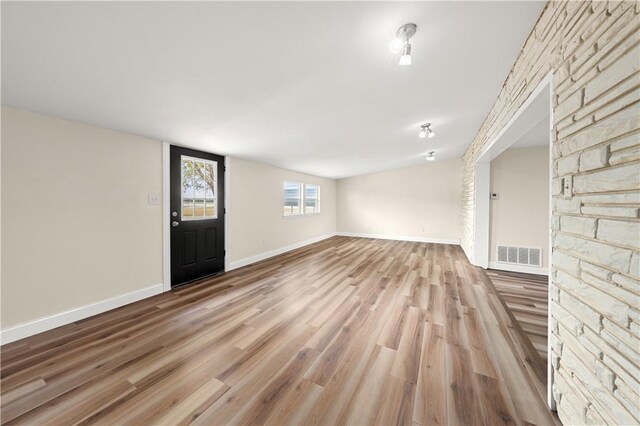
{"x":567,"y":190}
{"x":154,"y":199}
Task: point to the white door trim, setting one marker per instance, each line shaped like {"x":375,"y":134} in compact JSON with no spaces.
{"x":482,"y":218}
{"x":550,"y":400}
{"x":166,"y":215}
{"x":227,"y":216}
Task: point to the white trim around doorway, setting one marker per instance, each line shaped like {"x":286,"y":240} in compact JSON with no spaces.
{"x":482,"y":188}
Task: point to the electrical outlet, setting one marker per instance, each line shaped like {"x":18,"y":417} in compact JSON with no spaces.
{"x":154,"y":199}
{"x":494,"y":195}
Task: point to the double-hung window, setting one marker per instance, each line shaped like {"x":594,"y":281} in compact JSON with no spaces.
{"x":311,"y":198}
{"x":293,"y":198}
{"x":300,"y":198}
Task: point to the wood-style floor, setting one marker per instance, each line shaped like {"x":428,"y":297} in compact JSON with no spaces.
{"x":526,"y":296}
{"x":345,"y":331}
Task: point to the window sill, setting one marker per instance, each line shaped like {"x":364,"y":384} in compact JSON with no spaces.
{"x":294,"y":216}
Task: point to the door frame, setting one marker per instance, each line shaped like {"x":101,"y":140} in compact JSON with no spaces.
{"x":166,"y":213}
{"x":482,"y":188}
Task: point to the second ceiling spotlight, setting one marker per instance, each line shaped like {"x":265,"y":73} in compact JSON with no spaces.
{"x":425,"y":131}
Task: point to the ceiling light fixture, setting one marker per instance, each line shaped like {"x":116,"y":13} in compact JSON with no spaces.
{"x":401,"y":44}
{"x":405,"y":58}
{"x":431,"y":156}
{"x":425,"y":131}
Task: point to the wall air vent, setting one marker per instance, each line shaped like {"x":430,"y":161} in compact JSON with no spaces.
{"x":520,"y":255}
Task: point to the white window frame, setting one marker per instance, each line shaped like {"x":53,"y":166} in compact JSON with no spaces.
{"x":300,"y":200}
{"x":317,"y":198}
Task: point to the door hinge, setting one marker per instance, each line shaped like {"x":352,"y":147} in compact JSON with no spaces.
{"x":224,"y":168}
{"x":225,"y":252}
{"x":225,"y":210}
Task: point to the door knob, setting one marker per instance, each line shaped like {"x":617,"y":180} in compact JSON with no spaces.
{"x":174,"y":224}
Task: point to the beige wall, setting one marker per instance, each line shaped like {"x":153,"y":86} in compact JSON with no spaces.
{"x":591,"y":49}
{"x":520,"y":215}
{"x":421,"y":202}
{"x":257,"y":224}
{"x":77,"y":227}
{"x":76,"y":224}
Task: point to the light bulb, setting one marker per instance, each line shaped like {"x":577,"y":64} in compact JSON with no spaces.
{"x":423,"y":133}
{"x":405,"y":59}
{"x":431,"y":133}
{"x":396,"y":45}
{"x":431,"y":157}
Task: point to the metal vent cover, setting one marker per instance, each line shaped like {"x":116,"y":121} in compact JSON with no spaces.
{"x":529,"y":256}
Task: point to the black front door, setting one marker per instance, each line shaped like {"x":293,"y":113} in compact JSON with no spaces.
{"x":197,"y":214}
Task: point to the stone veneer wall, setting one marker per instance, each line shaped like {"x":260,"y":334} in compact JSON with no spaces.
{"x":592,"y":49}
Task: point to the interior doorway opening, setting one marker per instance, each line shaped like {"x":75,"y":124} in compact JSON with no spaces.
{"x":529,"y":127}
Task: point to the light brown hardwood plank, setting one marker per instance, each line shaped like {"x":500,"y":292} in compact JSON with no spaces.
{"x":526,"y":296}
{"x":344,"y":331}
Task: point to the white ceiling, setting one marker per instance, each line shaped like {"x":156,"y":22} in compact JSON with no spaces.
{"x":308,"y":86}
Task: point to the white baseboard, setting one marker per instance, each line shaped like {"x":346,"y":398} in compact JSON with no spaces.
{"x":262,"y":256}
{"x":518,"y":268}
{"x":401,"y":238}
{"x":20,"y":331}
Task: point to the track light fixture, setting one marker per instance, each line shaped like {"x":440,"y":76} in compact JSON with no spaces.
{"x":431,"y":156}
{"x":425,"y":131}
{"x":401,"y":44}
